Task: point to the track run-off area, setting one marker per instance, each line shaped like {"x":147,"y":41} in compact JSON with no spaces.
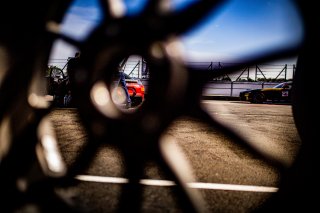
{"x":228,"y":176}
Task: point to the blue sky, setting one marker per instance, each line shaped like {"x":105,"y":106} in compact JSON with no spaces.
{"x":240,"y":28}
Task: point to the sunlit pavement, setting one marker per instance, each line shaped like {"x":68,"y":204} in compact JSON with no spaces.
{"x":225,"y":174}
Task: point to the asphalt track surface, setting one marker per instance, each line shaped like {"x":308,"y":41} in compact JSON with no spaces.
{"x":228,"y":177}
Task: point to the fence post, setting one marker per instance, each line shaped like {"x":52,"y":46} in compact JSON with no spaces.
{"x":256,"y":73}
{"x":211,"y":66}
{"x":285,"y":72}
{"x":231,"y":92}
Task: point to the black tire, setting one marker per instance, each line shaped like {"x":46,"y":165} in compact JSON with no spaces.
{"x":258,"y":98}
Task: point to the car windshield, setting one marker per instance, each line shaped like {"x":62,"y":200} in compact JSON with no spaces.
{"x":281,"y":85}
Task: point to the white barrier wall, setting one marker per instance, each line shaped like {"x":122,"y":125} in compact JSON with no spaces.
{"x":233,"y":89}
{"x":227,"y":88}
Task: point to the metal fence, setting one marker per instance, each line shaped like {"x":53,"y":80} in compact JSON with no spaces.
{"x":137,"y":67}
{"x":250,"y":72}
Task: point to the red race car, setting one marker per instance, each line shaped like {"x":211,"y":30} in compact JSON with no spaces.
{"x":136,"y":90}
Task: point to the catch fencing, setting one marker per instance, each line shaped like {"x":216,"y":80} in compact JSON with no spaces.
{"x":137,"y":67}
{"x":258,"y":72}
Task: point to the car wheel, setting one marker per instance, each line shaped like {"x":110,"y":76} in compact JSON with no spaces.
{"x":258,"y":98}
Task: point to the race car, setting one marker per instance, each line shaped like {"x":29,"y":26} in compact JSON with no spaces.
{"x":136,"y":90}
{"x":281,"y":92}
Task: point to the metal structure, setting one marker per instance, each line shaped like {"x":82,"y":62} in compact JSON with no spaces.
{"x":26,"y":37}
{"x":282,"y":72}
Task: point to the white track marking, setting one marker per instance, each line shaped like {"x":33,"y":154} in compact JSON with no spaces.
{"x":150,"y":182}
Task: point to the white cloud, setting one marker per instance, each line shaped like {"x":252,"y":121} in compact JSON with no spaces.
{"x":80,"y":21}
{"x":60,"y":52}
{"x":203,"y":56}
{"x":77,"y":24}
